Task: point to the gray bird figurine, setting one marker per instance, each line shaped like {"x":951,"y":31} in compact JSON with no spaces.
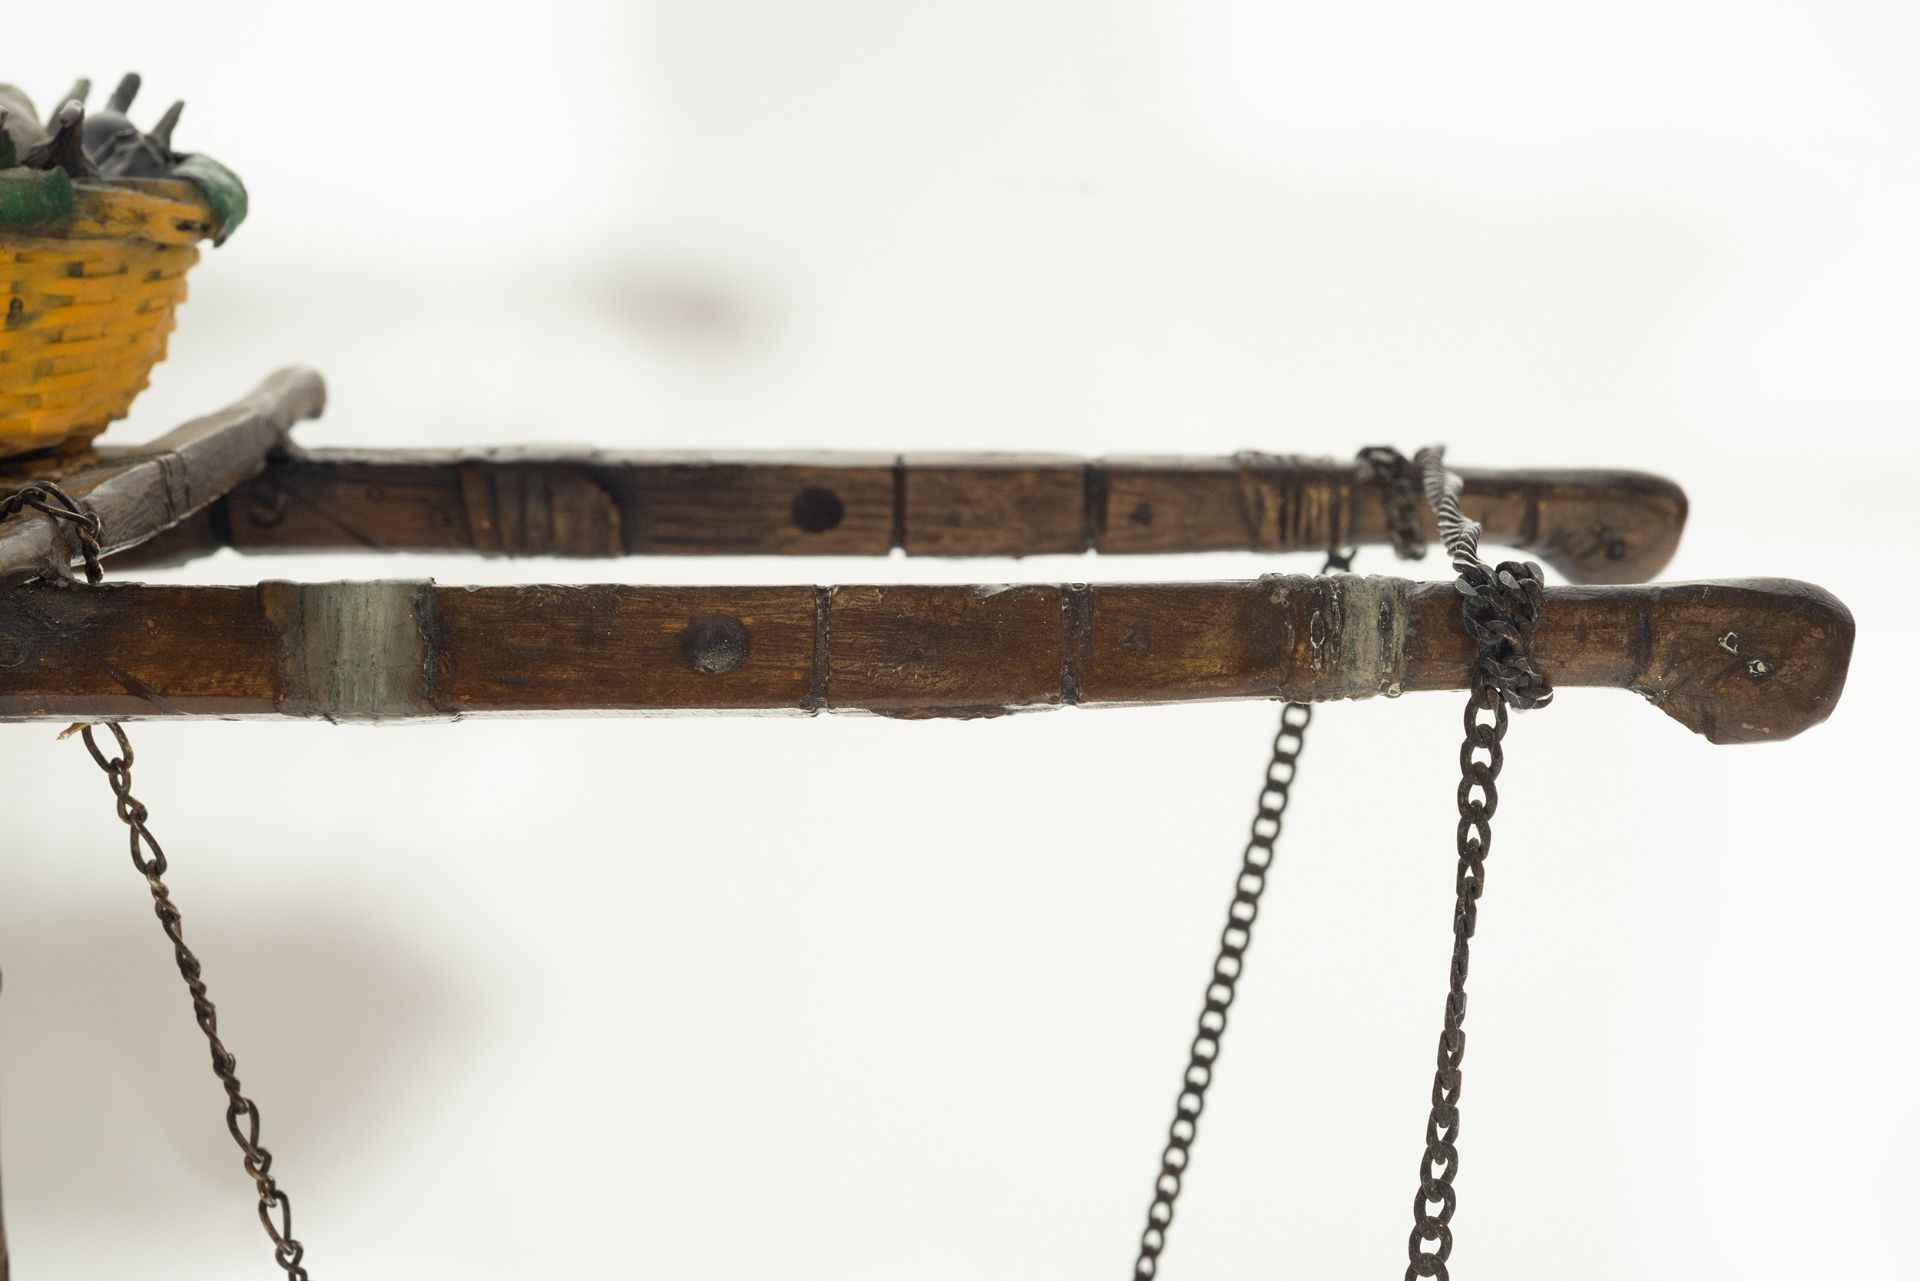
{"x":23,"y":122}
{"x":63,"y":148}
{"x":118,"y":147}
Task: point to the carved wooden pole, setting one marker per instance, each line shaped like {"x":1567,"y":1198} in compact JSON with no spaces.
{"x":1735,"y":661}
{"x":138,"y":493}
{"x":171,"y":499}
{"x":1591,"y":526}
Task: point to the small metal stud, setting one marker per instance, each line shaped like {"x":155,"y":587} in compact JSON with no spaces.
{"x":715,"y":644}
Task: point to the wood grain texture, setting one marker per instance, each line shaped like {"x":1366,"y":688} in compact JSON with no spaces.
{"x":524,"y":503}
{"x":141,"y":492}
{"x":942,"y":651}
{"x":1737,"y":661}
{"x":613,"y":649}
{"x":994,"y":505}
{"x":1598,"y":526}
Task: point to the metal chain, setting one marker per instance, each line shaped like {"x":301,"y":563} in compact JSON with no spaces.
{"x":50,"y":500}
{"x":243,"y":1117}
{"x":1502,"y":605}
{"x":1392,"y":469}
{"x":1228,"y":965}
{"x":1401,"y":480}
{"x":1501,"y":610}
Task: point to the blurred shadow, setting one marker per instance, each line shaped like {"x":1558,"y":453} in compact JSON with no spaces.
{"x":679,"y":305}
{"x":335,"y":1022}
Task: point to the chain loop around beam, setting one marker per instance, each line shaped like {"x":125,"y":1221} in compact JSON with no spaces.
{"x":1501,"y":610}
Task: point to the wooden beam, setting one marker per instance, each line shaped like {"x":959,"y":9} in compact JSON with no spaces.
{"x":1591,"y":526}
{"x":140,"y":492}
{"x":1735,"y":661}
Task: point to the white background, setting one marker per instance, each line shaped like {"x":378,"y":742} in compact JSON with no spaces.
{"x":843,"y":998}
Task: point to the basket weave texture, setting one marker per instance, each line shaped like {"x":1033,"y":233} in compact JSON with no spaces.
{"x":90,"y":305}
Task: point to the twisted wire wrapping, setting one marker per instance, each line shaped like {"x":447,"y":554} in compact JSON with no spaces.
{"x":1501,"y":611}
{"x":1401,"y":481}
{"x":1392,"y":469}
{"x":1502,"y":605}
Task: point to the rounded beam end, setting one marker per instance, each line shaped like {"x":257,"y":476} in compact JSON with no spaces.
{"x":1748,"y":661}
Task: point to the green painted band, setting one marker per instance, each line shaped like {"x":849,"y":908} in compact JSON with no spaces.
{"x":33,"y":197}
{"x":222,"y":188}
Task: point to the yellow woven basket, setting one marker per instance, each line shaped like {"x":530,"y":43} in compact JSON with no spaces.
{"x":90,"y":305}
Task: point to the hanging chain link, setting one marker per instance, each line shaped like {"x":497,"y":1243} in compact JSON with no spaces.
{"x":1502,"y":603}
{"x":1401,"y":481}
{"x":49,"y":499}
{"x":1227,"y":966}
{"x":243,"y":1118}
{"x":1501,"y":610}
